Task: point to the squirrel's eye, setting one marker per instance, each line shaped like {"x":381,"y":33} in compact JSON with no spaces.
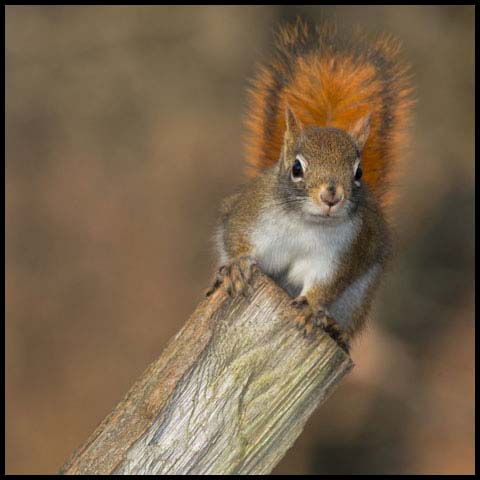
{"x":358,"y":173}
{"x":297,"y":170}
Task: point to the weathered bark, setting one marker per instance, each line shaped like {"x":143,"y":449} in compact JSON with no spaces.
{"x":230,"y":393}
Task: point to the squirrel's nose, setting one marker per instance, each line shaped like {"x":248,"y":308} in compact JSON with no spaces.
{"x":331,"y":195}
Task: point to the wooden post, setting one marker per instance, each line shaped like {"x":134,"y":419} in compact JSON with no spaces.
{"x":230,"y":393}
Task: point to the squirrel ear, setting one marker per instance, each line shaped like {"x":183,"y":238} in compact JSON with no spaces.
{"x":293,"y":127}
{"x":360,"y":130}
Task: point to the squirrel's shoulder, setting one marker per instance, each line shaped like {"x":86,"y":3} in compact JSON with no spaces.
{"x":252,"y":195}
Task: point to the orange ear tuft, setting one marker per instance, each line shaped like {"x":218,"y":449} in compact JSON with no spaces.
{"x":293,"y":127}
{"x":360,"y":131}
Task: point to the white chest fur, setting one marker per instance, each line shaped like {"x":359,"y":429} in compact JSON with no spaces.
{"x":298,"y":253}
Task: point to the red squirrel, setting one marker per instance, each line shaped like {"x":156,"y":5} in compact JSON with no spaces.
{"x":327,"y":122}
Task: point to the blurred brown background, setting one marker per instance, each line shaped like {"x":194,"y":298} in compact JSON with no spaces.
{"x":123,"y":130}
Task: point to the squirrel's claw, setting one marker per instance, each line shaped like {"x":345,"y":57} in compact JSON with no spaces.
{"x":319,"y":318}
{"x":218,"y":280}
{"x":324,"y":320}
{"x":235,"y":277}
{"x":300,"y":302}
{"x":304,"y":323}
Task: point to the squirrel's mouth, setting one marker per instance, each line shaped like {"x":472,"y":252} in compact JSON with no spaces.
{"x":320,"y":213}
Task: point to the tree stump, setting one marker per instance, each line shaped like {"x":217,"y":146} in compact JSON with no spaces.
{"x":230,"y":393}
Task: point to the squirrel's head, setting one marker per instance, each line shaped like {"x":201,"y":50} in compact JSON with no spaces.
{"x":320,"y":168}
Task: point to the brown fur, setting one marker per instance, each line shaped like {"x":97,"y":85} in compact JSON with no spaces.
{"x":325,"y":102}
{"x":329,"y":80}
{"x":330,"y":154}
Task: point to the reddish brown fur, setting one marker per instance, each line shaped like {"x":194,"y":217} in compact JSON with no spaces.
{"x":330,"y":81}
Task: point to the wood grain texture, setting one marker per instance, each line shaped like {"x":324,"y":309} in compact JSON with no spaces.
{"x":230,"y":393}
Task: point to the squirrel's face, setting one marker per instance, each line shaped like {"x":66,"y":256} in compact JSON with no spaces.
{"x":321,"y":170}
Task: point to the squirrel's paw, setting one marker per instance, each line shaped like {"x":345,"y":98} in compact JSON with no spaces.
{"x":312,"y":319}
{"x":235,"y":277}
{"x":323,"y":319}
{"x":304,"y":323}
